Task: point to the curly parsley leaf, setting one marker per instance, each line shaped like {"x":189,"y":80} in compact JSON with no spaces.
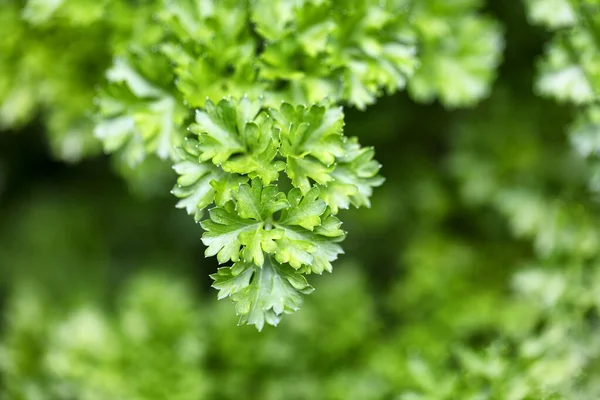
{"x":261,"y":294}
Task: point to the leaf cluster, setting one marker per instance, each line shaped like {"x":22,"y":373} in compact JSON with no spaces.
{"x":300,"y":52}
{"x":277,"y":178}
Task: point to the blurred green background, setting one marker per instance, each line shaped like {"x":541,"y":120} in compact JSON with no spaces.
{"x":473,"y":276}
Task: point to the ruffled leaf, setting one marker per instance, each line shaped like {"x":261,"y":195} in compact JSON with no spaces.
{"x":138,"y":117}
{"x":262,"y":294}
{"x":311,"y":139}
{"x":355,"y":175}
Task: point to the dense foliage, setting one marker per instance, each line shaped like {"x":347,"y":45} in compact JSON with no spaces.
{"x":474,"y":274}
{"x":265,"y":82}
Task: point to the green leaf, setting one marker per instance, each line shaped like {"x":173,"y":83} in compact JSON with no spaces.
{"x":217,"y":130}
{"x":305,"y":235}
{"x":303,"y":171}
{"x":308,"y":240}
{"x":262,"y":147}
{"x":259,"y":203}
{"x":296,"y":47}
{"x":210,"y":65}
{"x":236,"y":137}
{"x":138,"y":116}
{"x":309,"y":250}
{"x":244,"y":223}
{"x":193,"y":186}
{"x":316,"y":131}
{"x":262,"y":294}
{"x":200,"y":78}
{"x":201,"y":183}
{"x":303,"y":211}
{"x":355,"y":175}
{"x":374,"y":51}
{"x":311,"y":139}
{"x":334,"y":50}
{"x":226,"y":186}
{"x":226,"y":233}
{"x":227,"y":281}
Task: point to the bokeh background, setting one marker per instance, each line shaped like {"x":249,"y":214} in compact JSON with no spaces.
{"x":474,"y":275}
